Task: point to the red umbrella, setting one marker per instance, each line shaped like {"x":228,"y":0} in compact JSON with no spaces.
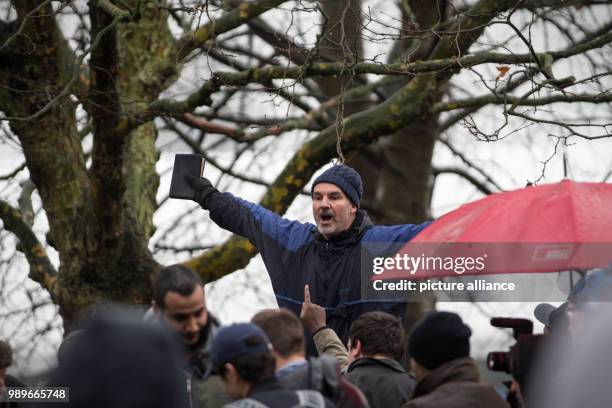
{"x":562,"y":212}
{"x":545,"y":228}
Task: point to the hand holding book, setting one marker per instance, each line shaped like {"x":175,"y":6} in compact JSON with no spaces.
{"x":203,"y":188}
{"x":187,"y":181}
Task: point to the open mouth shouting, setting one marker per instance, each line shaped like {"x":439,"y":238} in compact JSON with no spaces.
{"x":326,"y":217}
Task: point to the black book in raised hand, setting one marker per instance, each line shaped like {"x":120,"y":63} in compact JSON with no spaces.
{"x":185,"y":164}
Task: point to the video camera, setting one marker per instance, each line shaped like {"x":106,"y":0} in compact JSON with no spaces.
{"x":502,"y":360}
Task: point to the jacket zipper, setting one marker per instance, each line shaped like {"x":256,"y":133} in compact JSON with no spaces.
{"x":189,"y":392}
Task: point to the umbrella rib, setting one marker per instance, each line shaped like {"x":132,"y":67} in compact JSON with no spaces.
{"x":570,"y":191}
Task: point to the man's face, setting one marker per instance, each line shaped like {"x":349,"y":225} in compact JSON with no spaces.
{"x":332,"y":210}
{"x":186,"y":314}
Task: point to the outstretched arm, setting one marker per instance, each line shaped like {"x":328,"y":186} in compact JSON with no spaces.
{"x":264,"y":228}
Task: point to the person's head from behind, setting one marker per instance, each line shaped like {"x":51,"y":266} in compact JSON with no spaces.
{"x":554,"y":319}
{"x":376,"y":334}
{"x":119,"y":361}
{"x":437,"y":339}
{"x":285,"y":332}
{"x":336,"y":195}
{"x":241,"y":355}
{"x":6,"y":359}
{"x":178,"y":300}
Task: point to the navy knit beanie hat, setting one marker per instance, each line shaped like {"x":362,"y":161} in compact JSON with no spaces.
{"x":438,"y":338}
{"x":344,"y":177}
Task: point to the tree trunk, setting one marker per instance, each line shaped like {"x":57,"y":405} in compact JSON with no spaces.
{"x":397,"y":170}
{"x":100,"y":219}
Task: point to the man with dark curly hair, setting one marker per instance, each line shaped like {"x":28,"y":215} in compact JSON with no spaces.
{"x":376,"y":346}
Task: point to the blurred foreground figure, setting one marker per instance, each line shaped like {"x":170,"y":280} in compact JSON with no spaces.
{"x":581,"y":369}
{"x":554,"y":319}
{"x":121,"y":362}
{"x":6,"y":360}
{"x":593,"y":289}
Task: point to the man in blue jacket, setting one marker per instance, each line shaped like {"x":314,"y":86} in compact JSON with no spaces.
{"x":325,"y":256}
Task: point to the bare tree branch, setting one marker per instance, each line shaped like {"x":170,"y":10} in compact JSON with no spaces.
{"x":202,"y":95}
{"x":358,"y":129}
{"x":519,"y":101}
{"x":41,"y":268}
{"x":482,"y":187}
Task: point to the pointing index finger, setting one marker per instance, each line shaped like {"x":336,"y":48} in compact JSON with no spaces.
{"x":306,"y":294}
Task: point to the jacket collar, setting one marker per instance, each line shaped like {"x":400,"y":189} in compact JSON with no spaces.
{"x":199,"y":359}
{"x":269,"y":384}
{"x":458,"y":370}
{"x":370,"y":361}
{"x":359,"y":226}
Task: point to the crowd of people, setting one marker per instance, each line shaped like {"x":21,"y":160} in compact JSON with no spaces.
{"x":323,"y":347}
{"x":177,"y":354}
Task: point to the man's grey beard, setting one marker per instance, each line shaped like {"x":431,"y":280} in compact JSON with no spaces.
{"x":327,"y":234}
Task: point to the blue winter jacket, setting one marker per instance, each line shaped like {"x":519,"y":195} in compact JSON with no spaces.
{"x":296,"y":254}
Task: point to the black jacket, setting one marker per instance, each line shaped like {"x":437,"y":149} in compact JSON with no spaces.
{"x":295,"y":254}
{"x":384,"y":381}
{"x":204,"y":392}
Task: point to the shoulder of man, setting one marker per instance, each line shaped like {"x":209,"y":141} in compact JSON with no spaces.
{"x":332,"y":385}
{"x":209,"y":393}
{"x":459,"y":394}
{"x":11,"y":381}
{"x":401,"y":232}
{"x":245,"y":403}
{"x":324,"y":373}
{"x":311,"y":399}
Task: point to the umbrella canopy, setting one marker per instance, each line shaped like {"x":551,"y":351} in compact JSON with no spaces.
{"x":567,"y":211}
{"x":545,"y":228}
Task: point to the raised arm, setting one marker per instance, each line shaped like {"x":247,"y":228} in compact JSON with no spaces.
{"x":264,"y":228}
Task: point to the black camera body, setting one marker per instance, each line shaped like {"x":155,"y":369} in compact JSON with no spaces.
{"x":503,"y":360}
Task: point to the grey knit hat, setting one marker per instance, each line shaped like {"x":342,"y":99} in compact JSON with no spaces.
{"x":344,"y":177}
